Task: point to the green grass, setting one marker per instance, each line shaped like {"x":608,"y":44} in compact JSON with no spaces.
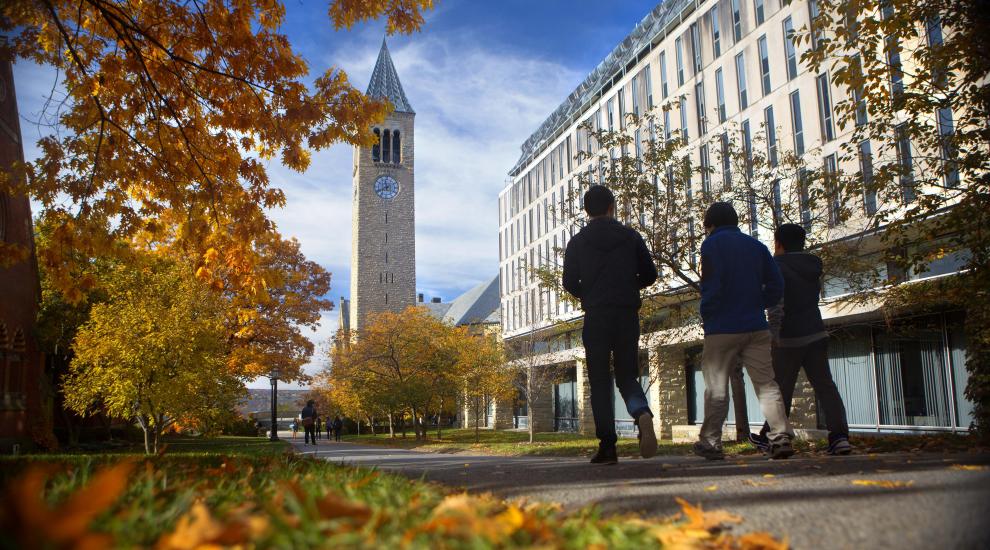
{"x":232,"y":491}
{"x":516,"y":443}
{"x":182,"y":445}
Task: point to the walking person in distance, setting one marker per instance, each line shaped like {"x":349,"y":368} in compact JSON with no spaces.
{"x":309,"y":421}
{"x":739,"y":281}
{"x":799,"y":337}
{"x":605,"y":266}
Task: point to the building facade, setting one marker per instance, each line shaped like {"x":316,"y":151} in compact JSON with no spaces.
{"x":721,"y":66}
{"x":383,"y":246}
{"x":25,"y":392}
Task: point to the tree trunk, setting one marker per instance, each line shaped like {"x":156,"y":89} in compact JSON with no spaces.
{"x":529,"y":402}
{"x":416,"y":426}
{"x":371,"y":422}
{"x":439,"y":414}
{"x":477,"y":431}
{"x":391,"y":426}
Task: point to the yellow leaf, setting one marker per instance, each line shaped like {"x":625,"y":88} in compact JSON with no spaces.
{"x":886,"y":484}
{"x":970,"y":467}
{"x":768,"y":475}
{"x":711,"y":488}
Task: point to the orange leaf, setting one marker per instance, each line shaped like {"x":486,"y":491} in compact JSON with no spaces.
{"x":73,"y":517}
{"x":886,"y":484}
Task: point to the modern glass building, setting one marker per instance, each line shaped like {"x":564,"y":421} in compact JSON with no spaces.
{"x":722,"y":65}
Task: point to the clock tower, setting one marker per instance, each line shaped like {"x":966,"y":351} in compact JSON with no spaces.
{"x":383,"y":245}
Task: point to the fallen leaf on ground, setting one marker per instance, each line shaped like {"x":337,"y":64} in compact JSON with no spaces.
{"x":711,"y":488}
{"x":970,"y":467}
{"x":761,"y":541}
{"x":702,"y":520}
{"x":753,"y":483}
{"x":768,"y":475}
{"x":885,"y":483}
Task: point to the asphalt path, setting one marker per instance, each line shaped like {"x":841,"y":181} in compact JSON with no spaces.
{"x":811,"y":500}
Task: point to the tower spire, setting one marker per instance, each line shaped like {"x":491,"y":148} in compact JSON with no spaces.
{"x":385,"y":82}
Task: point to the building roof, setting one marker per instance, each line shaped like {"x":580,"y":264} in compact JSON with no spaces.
{"x":480,"y":305}
{"x":647,"y":33}
{"x":385,"y":82}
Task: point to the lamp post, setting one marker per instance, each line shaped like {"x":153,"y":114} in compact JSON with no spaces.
{"x":273,"y":376}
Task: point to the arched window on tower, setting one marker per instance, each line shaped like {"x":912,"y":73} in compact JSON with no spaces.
{"x":376,"y":149}
{"x":386,"y":146}
{"x":396,"y":147}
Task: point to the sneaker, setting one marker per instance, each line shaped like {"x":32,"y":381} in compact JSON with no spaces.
{"x":647,"y":436}
{"x":780,"y":450}
{"x":760,"y":441}
{"x":705,"y":450}
{"x":605,"y":455}
{"x":840,"y":446}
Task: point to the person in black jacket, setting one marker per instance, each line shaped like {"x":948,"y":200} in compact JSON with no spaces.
{"x":605,"y":266}
{"x":799,"y":338}
{"x":309,"y":416}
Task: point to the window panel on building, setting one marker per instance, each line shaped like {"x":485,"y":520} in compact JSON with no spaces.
{"x":720,"y":95}
{"x":797,"y":126}
{"x":759,"y":11}
{"x":771,"y":135}
{"x":804,"y":198}
{"x":741,"y":81}
{"x":726,"y":161}
{"x":905,"y":161}
{"x":825,"y":107}
{"x":684,"y":119}
{"x":679,"y":55}
{"x":790,"y":49}
{"x":663,"y":76}
{"x":950,"y":170}
{"x":813,"y":14}
{"x":705,"y":166}
{"x":764,"y":65}
{"x":699,"y":100}
{"x":736,"y":22}
{"x":696,"y":47}
{"x":866,"y":176}
{"x":716,"y":31}
{"x":831,"y":189}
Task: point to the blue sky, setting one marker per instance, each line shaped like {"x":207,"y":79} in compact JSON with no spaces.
{"x":481,"y":75}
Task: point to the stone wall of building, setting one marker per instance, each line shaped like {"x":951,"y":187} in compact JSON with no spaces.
{"x":804,"y":407}
{"x":541,"y":407}
{"x":671,"y":389}
{"x":586,"y":417}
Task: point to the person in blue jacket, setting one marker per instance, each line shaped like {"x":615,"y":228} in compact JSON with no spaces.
{"x":739,"y":281}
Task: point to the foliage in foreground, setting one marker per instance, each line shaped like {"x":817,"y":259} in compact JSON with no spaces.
{"x":287,"y":501}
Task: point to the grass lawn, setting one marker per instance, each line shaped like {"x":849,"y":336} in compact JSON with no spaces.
{"x":516,"y":443}
{"x":249,"y":493}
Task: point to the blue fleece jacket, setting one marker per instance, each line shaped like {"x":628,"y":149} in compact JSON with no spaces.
{"x":739,"y":281}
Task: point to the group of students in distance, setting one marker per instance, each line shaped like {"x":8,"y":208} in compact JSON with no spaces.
{"x":312,"y":423}
{"x":742,"y":286}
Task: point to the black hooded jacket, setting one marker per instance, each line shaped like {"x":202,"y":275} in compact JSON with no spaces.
{"x":802,"y":274}
{"x":606,"y":264}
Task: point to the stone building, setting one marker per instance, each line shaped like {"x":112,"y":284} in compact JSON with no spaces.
{"x":383,"y":246}
{"x":25,"y":396}
{"x":738,"y":58}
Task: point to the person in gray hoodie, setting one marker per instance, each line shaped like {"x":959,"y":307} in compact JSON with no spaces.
{"x":606,"y":265}
{"x":799,"y":339}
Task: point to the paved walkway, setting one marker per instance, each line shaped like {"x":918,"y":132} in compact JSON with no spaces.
{"x":811,"y":500}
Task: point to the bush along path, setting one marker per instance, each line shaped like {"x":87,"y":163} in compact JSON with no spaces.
{"x":291,"y":501}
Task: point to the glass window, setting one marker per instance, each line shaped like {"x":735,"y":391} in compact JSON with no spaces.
{"x":813,"y":13}
{"x":699,"y":101}
{"x":862,"y":117}
{"x":376,"y":148}
{"x":945,"y":131}
{"x":796,"y":125}
{"x":716,"y":31}
{"x":663,"y":75}
{"x":851,"y":362}
{"x":679,"y":55}
{"x":741,"y":81}
{"x":893,"y":50}
{"x":866,"y":176}
{"x":386,"y":146}
{"x":912,"y":380}
{"x":825,"y":108}
{"x":758,"y":11}
{"x":396,"y":148}
{"x":706,"y":177}
{"x":610,"y":108}
{"x":648,"y":84}
{"x":720,"y":95}
{"x":831,"y":190}
{"x":771,"y":133}
{"x":764,"y":65}
{"x":622,"y":108}
{"x":804,"y":198}
{"x":635,"y":95}
{"x":666,"y":125}
{"x":905,"y":161}
{"x":696,"y":47}
{"x":736,"y":22}
{"x":684,"y":127}
{"x":747,"y":137}
{"x":726,"y":162}
{"x":790,"y":50}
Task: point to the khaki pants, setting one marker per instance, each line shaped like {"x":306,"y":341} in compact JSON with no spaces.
{"x":722,"y":351}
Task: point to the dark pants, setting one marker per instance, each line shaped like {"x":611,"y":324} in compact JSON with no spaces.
{"x":329,"y":431}
{"x":613,"y":334}
{"x":813,"y":357}
{"x":336,"y":434}
{"x":310,"y":434}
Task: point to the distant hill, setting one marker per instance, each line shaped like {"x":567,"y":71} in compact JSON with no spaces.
{"x":259,"y":401}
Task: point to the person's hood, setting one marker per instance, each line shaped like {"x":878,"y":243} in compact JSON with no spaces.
{"x":605,"y":234}
{"x":807,"y":267}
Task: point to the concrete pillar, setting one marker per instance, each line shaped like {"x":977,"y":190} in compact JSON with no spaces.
{"x":541,"y":406}
{"x":670,"y":389}
{"x":586,"y":418}
{"x":503,"y":414}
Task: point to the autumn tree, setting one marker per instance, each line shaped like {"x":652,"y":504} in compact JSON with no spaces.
{"x":484,"y":374}
{"x":533,"y":381}
{"x":155,"y":351}
{"x":171,"y":112}
{"x":913,"y":82}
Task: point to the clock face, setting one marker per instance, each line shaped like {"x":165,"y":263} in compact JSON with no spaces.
{"x":386,"y":187}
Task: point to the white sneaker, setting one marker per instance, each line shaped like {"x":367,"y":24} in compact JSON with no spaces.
{"x":647,"y":437}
